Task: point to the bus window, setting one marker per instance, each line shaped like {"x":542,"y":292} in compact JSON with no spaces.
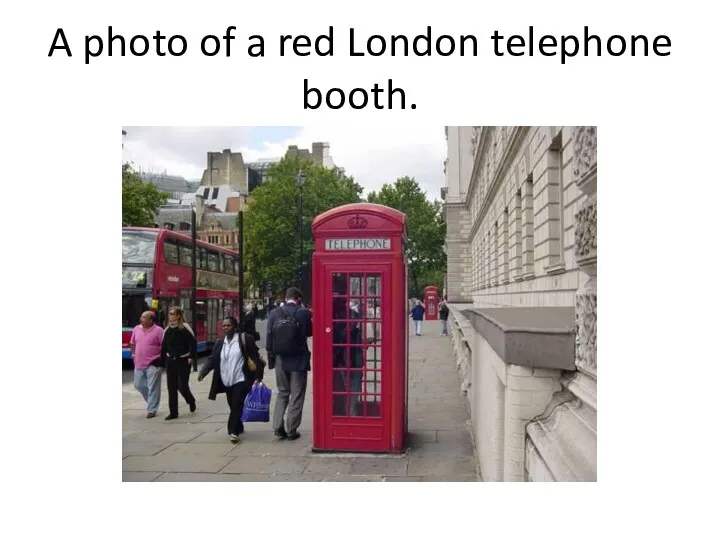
{"x":229,"y":270}
{"x":138,"y":247}
{"x":236,"y":266}
{"x":221,"y":260}
{"x":201,"y":258}
{"x":171,"y":251}
{"x":185,"y":255}
{"x":213,"y":264}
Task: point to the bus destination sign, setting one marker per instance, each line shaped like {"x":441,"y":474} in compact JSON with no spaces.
{"x":348,"y":244}
{"x":135,"y":277}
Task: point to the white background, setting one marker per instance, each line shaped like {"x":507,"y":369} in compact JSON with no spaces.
{"x":61,"y":148}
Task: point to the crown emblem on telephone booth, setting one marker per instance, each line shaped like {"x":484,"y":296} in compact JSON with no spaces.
{"x":357,"y":223}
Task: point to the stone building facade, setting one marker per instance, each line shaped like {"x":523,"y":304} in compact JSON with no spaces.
{"x":521,"y":213}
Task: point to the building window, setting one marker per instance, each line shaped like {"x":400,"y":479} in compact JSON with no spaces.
{"x":184,"y":226}
{"x":528,"y":229}
{"x":215,"y":193}
{"x":206,"y":192}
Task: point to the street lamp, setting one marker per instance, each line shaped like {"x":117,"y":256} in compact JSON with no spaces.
{"x":193,"y":278}
{"x":241,"y":253}
{"x":300,"y":177}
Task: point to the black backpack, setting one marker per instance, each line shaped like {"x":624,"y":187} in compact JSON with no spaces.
{"x":286,"y":333}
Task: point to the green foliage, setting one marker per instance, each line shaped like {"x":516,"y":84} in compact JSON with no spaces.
{"x":140,"y":200}
{"x":426,"y":231}
{"x":272,"y":250}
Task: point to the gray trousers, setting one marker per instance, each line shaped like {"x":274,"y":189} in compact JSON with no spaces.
{"x":291,"y":387}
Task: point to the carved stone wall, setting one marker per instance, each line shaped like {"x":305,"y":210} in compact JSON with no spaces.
{"x":562,"y":444}
{"x":585,"y":169}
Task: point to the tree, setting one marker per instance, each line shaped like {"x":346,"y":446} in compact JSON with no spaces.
{"x":426,"y":231}
{"x":272,"y":250}
{"x":140,"y":200}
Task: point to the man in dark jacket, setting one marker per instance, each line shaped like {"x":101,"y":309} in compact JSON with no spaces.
{"x":291,"y":366}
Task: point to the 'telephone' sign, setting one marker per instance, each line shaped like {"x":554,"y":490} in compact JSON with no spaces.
{"x":348,"y":244}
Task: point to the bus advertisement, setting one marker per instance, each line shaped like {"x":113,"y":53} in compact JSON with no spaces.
{"x":157,"y":274}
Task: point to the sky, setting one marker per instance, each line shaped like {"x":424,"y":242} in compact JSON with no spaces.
{"x":372,"y":155}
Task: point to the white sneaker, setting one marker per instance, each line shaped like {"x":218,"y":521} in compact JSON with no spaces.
{"x":234,"y":438}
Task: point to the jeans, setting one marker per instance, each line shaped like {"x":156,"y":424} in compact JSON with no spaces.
{"x":148,"y":383}
{"x":443,"y":327}
{"x":418,"y":328}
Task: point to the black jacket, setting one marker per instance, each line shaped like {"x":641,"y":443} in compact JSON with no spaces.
{"x":213,"y":364}
{"x":299,"y":361}
{"x":249,"y":324}
{"x":179,"y":342}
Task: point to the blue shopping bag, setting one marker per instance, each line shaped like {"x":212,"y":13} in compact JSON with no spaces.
{"x":257,"y":404}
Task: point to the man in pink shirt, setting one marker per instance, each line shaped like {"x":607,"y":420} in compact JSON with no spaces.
{"x":145,"y":346}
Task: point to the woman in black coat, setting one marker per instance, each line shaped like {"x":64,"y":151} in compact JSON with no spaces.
{"x":179,"y":346}
{"x":236,"y":365}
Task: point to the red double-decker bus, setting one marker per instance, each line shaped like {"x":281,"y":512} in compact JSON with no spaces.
{"x":157,"y":274}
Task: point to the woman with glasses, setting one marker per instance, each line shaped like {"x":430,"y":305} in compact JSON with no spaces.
{"x":179,"y":346}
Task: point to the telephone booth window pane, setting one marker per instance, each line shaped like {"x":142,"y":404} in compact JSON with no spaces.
{"x":339,"y":284}
{"x":340,"y":405}
{"x":340,"y":333}
{"x":356,"y":284}
{"x":373,"y":359}
{"x":340,"y":357}
{"x":339,"y":381}
{"x":372,"y":406}
{"x":340,"y":308}
{"x":373,"y":285}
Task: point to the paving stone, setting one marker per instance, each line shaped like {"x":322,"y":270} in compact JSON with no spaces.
{"x":462,"y":436}
{"x":161,"y":436}
{"x":402,"y":479}
{"x":345,"y":478}
{"x":176,"y":463}
{"x":143,"y":448}
{"x":226,"y":477}
{"x":332,"y":466}
{"x":266,"y":465}
{"x":248,"y":447}
{"x":132,"y":476}
{"x":217,"y":418}
{"x":431,"y":466}
{"x":197,"y":449}
{"x":379,"y":466}
{"x":464,"y":478}
{"x":417,"y":437}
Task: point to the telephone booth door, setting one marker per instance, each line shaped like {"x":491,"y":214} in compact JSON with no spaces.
{"x":356,"y":411}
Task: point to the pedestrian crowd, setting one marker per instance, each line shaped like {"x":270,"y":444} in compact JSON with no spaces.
{"x":235,"y":363}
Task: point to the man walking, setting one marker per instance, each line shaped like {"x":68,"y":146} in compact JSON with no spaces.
{"x":288,"y":328}
{"x":444,"y":313}
{"x":145,"y":347}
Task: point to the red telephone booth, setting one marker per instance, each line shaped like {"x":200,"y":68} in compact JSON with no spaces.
{"x":360,"y":333}
{"x":431,"y":303}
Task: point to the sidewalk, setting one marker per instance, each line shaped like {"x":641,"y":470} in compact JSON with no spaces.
{"x":195,"y":447}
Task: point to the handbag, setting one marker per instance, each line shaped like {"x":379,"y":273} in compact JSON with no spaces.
{"x":250,"y":362}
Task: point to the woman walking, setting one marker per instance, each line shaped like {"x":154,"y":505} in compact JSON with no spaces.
{"x":178,"y":348}
{"x":236,"y":365}
{"x":417,"y":313}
